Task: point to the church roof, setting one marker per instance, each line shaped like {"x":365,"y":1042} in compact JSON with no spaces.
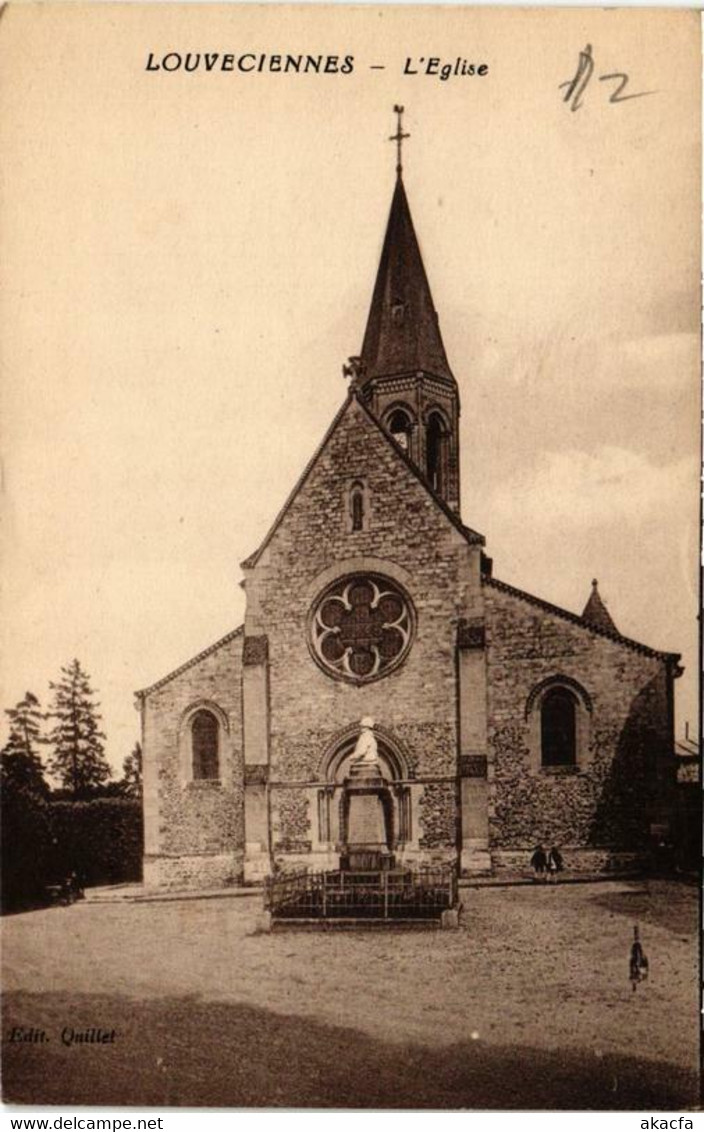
{"x":189,"y":663}
{"x":403,"y":334}
{"x":613,"y":633}
{"x":467,"y":533}
{"x":596,"y":613}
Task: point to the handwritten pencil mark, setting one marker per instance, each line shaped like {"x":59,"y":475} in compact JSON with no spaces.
{"x":616,"y":95}
{"x":575,"y":88}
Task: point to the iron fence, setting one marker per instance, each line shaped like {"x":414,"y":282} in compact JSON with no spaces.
{"x":394,"y":894}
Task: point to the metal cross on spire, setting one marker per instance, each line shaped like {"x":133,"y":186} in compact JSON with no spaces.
{"x":398,"y":137}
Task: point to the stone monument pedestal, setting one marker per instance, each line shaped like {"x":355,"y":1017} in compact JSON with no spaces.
{"x":367,"y":810}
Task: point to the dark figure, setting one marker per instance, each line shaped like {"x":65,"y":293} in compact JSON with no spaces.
{"x":554,"y":864}
{"x":539,"y":862}
{"x":77,"y":886}
{"x":71,"y":889}
{"x":664,"y":856}
{"x":638,"y":964}
{"x":66,"y":896}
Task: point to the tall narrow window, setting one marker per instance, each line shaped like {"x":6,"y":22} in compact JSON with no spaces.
{"x":323,"y":815}
{"x":435,"y":452}
{"x":204,"y":741}
{"x":400,"y":428}
{"x":404,"y":815}
{"x":357,"y":509}
{"x":357,"y":505}
{"x":558,"y":728}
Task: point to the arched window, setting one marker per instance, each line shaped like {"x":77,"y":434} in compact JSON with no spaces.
{"x":400,"y":428}
{"x":357,"y":507}
{"x":558,"y":728}
{"x":333,"y":804}
{"x":435,"y":452}
{"x":204,"y":745}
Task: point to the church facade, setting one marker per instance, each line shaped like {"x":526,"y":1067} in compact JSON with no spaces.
{"x":501,"y":721}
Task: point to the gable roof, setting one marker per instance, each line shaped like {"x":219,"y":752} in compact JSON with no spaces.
{"x":467,"y":533}
{"x":566,"y":615}
{"x":189,"y":663}
{"x":403,"y":333}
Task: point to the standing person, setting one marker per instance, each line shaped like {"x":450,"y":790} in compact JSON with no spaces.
{"x":538,"y":863}
{"x":554,"y":864}
{"x":638,"y":965}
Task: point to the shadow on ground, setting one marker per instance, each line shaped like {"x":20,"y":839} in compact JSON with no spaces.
{"x":187,"y":1052}
{"x":677,"y":914}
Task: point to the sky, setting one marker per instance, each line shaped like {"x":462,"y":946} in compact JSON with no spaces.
{"x":189,"y":260}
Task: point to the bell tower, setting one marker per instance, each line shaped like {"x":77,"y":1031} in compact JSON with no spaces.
{"x":403,"y":373}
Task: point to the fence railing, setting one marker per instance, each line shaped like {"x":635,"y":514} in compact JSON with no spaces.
{"x":409,"y":894}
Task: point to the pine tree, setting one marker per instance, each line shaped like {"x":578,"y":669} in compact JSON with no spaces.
{"x":79,"y":756}
{"x":132,"y":773}
{"x":20,"y":765}
{"x":26,"y":720}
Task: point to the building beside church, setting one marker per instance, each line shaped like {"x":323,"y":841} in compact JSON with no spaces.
{"x":500,"y":720}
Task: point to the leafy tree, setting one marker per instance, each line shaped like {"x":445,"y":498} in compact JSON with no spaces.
{"x":20,"y":771}
{"x":25,"y":840}
{"x":132,"y":773}
{"x":79,"y":755}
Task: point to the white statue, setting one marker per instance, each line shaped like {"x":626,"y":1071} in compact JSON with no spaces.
{"x":365,"y":750}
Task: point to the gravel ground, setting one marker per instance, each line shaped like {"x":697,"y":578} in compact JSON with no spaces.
{"x":528,"y":1005}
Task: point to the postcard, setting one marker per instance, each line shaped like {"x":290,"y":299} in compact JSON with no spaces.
{"x":350,"y":748}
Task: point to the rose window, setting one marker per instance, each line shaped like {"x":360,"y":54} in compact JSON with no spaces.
{"x":362,"y":627}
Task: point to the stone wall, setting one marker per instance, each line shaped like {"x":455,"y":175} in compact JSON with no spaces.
{"x":406,"y":537}
{"x":216,"y":870}
{"x":439,"y":815}
{"x":194,"y":830}
{"x":611,"y":798}
{"x":291,"y":821}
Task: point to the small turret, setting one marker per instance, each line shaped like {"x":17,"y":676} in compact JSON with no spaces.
{"x":595,"y":612}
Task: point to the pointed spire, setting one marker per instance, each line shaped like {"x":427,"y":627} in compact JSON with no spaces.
{"x":402,"y":335}
{"x":595,"y":612}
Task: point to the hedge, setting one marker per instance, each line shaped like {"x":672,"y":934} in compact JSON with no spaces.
{"x":26,"y":849}
{"x":101,"y":840}
{"x":42,"y":842}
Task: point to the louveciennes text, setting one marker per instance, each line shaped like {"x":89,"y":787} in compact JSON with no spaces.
{"x":262,"y":63}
